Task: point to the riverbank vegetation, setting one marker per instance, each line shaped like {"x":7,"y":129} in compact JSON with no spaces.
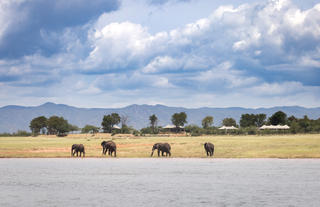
{"x":249,"y":124}
{"x":227,"y":146}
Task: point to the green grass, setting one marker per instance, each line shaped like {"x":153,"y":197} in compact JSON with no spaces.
{"x":281,"y":146}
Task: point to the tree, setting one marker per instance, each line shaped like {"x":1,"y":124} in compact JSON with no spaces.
{"x":260,"y":119}
{"x":248,"y":120}
{"x":90,"y":129}
{"x":278,"y":118}
{"x":207,"y":122}
{"x":109,"y":121}
{"x":37,"y":124}
{"x":153,"y":122}
{"x":58,"y":125}
{"x":179,"y":120}
{"x":229,"y":122}
{"x":305,"y":124}
{"x":73,"y":128}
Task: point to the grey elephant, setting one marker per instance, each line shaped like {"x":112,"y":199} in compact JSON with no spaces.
{"x":76,"y":148}
{"x":163,"y":148}
{"x":209,"y":147}
{"x":110,"y":147}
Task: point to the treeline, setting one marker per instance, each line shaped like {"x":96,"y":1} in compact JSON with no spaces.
{"x":52,"y":126}
{"x":19,"y":133}
{"x":248,"y":124}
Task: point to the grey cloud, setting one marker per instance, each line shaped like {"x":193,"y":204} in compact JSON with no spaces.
{"x":43,"y":21}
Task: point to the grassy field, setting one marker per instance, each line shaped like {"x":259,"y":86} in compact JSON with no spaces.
{"x":282,"y":146}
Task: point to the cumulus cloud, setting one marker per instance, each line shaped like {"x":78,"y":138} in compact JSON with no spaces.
{"x":268,"y":48}
{"x":34,"y":26}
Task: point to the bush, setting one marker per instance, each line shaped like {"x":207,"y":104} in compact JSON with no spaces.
{"x":136,"y":133}
{"x":194,"y":130}
{"x":147,"y":130}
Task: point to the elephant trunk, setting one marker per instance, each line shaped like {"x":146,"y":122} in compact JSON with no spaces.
{"x":152,"y":153}
{"x":71,"y":152}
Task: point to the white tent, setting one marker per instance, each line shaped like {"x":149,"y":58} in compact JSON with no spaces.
{"x":116,"y":127}
{"x":275,"y":127}
{"x":228,"y":127}
{"x":171,"y":127}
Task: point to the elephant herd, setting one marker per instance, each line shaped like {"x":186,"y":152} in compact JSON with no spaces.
{"x":111,"y":148}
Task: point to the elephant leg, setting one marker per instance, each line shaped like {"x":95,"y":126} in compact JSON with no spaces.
{"x":169,"y":154}
{"x":158,"y":153}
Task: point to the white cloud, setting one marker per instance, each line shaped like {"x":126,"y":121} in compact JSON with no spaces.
{"x":235,"y":50}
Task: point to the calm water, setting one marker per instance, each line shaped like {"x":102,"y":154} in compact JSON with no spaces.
{"x":159,"y":182}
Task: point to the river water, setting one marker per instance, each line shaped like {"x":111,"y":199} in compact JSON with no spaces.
{"x":159,"y":182}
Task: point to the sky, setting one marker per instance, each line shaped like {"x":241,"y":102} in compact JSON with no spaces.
{"x":188,"y":53}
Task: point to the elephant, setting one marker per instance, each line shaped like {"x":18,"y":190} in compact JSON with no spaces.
{"x":76,"y":148}
{"x":163,"y":148}
{"x":110,"y":147}
{"x":209,"y":147}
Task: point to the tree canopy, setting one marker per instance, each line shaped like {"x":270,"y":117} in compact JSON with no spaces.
{"x":58,"y":125}
{"x":278,"y":118}
{"x":207,"y":122}
{"x":109,"y":121}
{"x":90,"y":129}
{"x":37,"y":124}
{"x":229,"y":122}
{"x":153,"y":122}
{"x":248,"y":120}
{"x":179,"y":119}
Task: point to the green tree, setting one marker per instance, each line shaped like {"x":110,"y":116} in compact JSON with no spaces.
{"x":229,"y":122}
{"x":90,"y":129}
{"x":250,"y":120}
{"x":278,"y":118}
{"x":73,"y":128}
{"x":153,"y":122}
{"x":305,"y":124}
{"x":260,"y":119}
{"x":207,"y":122}
{"x":58,"y":125}
{"x":247,"y":120}
{"x":109,"y":121}
{"x":179,"y":120}
{"x":37,"y":124}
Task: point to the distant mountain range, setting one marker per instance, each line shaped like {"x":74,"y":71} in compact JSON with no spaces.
{"x":14,"y":118}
